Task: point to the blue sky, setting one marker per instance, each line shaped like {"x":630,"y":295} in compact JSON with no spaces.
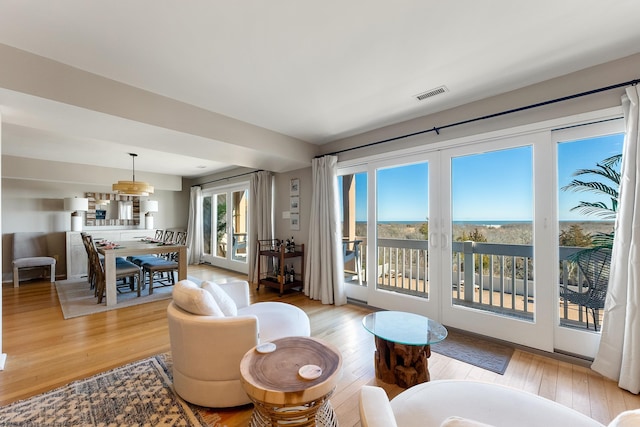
{"x":489,"y":186}
{"x":584,"y":154}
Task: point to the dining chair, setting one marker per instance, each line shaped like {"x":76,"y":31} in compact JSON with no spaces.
{"x":181,"y":237}
{"x":159,"y":237}
{"x":30,"y":251}
{"x":168,"y":236}
{"x":155,"y":268}
{"x":125,"y":270}
{"x":91,"y":271}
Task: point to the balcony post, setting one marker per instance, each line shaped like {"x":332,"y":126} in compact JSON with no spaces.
{"x":469,"y":270}
{"x":349,"y":207}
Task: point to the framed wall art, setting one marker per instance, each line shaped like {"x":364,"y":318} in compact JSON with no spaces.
{"x":294,"y":204}
{"x":294,"y":189}
{"x":295,"y":221}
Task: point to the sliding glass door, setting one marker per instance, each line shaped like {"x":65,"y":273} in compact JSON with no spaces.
{"x":588,"y":160}
{"x":225,"y":227}
{"x":467,"y":236}
{"x":352,"y":185}
{"x":404,"y":219}
{"x":493,"y":210}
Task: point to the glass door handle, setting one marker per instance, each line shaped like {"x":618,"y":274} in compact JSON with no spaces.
{"x":433,"y":240}
{"x":445,"y":241}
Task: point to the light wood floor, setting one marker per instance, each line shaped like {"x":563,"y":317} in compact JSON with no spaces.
{"x":45,"y":351}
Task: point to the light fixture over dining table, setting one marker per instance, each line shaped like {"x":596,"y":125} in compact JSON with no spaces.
{"x":133,"y":187}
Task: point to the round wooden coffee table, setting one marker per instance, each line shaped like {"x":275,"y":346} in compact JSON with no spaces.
{"x":280,"y":394}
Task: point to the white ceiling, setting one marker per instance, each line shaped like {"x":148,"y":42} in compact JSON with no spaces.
{"x":315,"y":71}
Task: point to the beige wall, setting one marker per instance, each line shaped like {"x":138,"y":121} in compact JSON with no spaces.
{"x":620,"y":71}
{"x":281,"y":205}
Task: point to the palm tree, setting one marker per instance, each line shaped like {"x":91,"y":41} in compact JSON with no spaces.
{"x":607,"y":170}
{"x":594,"y":261}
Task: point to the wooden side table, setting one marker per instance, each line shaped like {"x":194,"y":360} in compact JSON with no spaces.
{"x":280,"y":395}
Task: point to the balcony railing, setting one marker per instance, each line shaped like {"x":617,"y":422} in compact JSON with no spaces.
{"x":486,"y":276}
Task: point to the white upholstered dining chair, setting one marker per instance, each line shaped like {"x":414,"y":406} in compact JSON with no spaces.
{"x":30,"y":251}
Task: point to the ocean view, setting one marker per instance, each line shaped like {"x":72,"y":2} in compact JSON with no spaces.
{"x":512,"y":232}
{"x":486,"y":222}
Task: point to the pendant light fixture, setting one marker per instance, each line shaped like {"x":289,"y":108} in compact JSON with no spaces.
{"x":133,"y":188}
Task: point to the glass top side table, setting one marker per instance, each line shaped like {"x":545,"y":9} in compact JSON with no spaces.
{"x":403,"y":345}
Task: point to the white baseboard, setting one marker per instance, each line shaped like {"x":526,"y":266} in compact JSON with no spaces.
{"x":3,"y":359}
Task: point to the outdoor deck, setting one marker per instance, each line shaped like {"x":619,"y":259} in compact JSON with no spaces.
{"x":502,"y":277}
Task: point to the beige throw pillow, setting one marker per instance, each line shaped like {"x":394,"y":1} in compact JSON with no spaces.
{"x":224,"y":301}
{"x":190,"y":297}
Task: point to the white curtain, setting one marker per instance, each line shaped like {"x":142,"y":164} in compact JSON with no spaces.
{"x":261,"y":216}
{"x":324,"y":266}
{"x":618,"y":356}
{"x":194,"y":226}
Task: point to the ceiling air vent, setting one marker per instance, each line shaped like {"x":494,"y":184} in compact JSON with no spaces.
{"x":430,"y":93}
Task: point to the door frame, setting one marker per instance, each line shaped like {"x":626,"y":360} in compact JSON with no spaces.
{"x":572,"y":340}
{"x":542,"y":333}
{"x":529,"y":333}
{"x":429,"y":306}
{"x":228,"y":262}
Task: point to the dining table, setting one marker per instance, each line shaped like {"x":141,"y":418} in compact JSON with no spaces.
{"x":133,"y":247}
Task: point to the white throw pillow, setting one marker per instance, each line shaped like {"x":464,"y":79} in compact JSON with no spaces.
{"x":627,"y":419}
{"x":462,"y":422}
{"x":224,"y":301}
{"x":190,"y":297}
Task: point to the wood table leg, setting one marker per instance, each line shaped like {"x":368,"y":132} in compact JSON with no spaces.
{"x":404,"y":365}
{"x":110,"y":278}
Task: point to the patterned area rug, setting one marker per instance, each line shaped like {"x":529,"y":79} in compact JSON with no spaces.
{"x":77,"y":299}
{"x":137,"y":394}
{"x":476,"y":351}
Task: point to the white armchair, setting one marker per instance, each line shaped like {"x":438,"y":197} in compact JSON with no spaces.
{"x":210,"y":331}
{"x":462,"y":403}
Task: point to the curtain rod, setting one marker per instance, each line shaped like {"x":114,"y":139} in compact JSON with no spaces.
{"x":437,"y":129}
{"x":227,"y":178}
